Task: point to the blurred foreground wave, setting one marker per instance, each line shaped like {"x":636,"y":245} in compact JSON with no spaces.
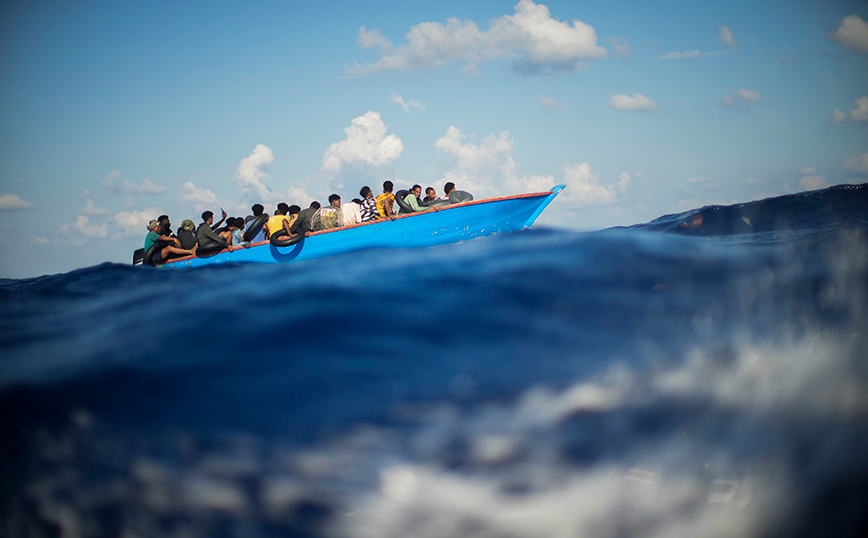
{"x":703,"y":374}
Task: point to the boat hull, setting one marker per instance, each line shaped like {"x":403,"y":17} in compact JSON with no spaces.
{"x":446,"y":225}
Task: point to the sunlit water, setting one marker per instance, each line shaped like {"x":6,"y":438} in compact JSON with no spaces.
{"x":701,"y":375}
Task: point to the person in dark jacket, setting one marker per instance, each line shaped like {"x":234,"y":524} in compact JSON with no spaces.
{"x":208,"y":238}
{"x":187,"y":234}
{"x":303,"y":223}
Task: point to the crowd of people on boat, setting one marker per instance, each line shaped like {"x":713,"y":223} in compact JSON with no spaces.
{"x":289,"y":223}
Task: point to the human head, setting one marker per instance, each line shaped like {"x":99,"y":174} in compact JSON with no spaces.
{"x":335,"y":200}
{"x":365,"y":192}
{"x":449,"y":187}
{"x":294,"y":210}
{"x":230,"y":223}
{"x":388,"y":186}
{"x":282,"y":208}
{"x":430,"y":193}
{"x":257,"y":209}
{"x":207,"y":216}
{"x":188,"y":225}
{"x":165,"y":225}
{"x":417,"y":190}
{"x":315,"y":205}
{"x":153,"y":225}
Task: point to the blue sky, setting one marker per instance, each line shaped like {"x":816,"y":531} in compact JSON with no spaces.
{"x":113,"y":113}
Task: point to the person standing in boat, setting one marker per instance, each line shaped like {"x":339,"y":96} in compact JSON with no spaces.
{"x":386,"y":201}
{"x":368,"y":205}
{"x":172,"y":244}
{"x":208,"y":238}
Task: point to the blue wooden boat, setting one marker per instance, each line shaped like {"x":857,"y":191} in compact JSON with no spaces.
{"x":448,"y":224}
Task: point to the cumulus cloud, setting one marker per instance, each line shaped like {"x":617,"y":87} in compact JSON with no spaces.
{"x":851,"y":33}
{"x":91,"y":208}
{"x":406,"y":105}
{"x":488,"y":169}
{"x":724,"y":36}
{"x":860,"y":113}
{"x":859,"y":163}
{"x":145,"y":187}
{"x":550,"y":104}
{"x":13,"y":201}
{"x":367,"y":144}
{"x":811,"y":180}
{"x":637,"y":102}
{"x":134,"y":223}
{"x":252,"y":178}
{"x":112,"y":181}
{"x":83,"y":229}
{"x":531,"y":36}
{"x":199,"y":199}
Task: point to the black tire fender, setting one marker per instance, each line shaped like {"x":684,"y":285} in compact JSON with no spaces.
{"x":280,"y":239}
{"x":255,"y":225}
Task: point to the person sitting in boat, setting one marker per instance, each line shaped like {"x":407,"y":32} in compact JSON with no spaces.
{"x":455,"y":197}
{"x":187,"y":234}
{"x":236,"y":226}
{"x":281,"y":221}
{"x":386,"y":201}
{"x":328,"y":217}
{"x":172,"y":245}
{"x":257,"y":210}
{"x":208,"y":238}
{"x":368,"y":204}
{"x":303,"y":223}
{"x":352,"y":212}
{"x":412,"y":200}
{"x":430,"y":196}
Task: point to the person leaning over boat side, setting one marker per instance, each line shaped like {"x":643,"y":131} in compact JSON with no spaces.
{"x":386,"y":201}
{"x":257,"y":212}
{"x":172,"y":247}
{"x":328,"y":217}
{"x":368,"y":205}
{"x":302,"y":224}
{"x":280,"y":221}
{"x":412,"y":200}
{"x":208,"y":238}
{"x":187,"y":234}
{"x":352,"y":212}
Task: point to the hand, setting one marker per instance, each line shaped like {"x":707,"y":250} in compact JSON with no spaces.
{"x":223,"y":212}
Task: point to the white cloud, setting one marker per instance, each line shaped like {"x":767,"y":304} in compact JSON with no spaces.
{"x":13,"y":201}
{"x":92,"y":209}
{"x":367,"y":144}
{"x":406,"y":105}
{"x":811,"y":180}
{"x":199,"y":199}
{"x":729,"y":101}
{"x":550,"y":104}
{"x":40,"y":240}
{"x":251,"y":176}
{"x":134,"y":223}
{"x":531,"y":36}
{"x":82,"y":229}
{"x":620,"y":45}
{"x":637,"y":102}
{"x":859,"y":163}
{"x":851,"y":33}
{"x":724,"y":37}
{"x":749,"y":95}
{"x":860,"y":113}
{"x":146,"y":187}
{"x":112,"y":181}
{"x":488,"y":169}
{"x":679,"y":55}
{"x":86,"y":193}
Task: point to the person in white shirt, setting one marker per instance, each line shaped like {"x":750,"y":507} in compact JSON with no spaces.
{"x":352,"y":212}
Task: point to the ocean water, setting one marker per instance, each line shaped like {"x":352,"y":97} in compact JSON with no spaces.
{"x":703,"y":374}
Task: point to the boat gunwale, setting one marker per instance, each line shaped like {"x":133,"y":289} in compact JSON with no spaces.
{"x":378,"y":221}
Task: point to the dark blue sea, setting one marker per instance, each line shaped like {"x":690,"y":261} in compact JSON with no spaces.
{"x":703,"y":374}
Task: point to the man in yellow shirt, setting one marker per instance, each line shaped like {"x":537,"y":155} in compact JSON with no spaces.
{"x":281,"y":221}
{"x":386,"y":201}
